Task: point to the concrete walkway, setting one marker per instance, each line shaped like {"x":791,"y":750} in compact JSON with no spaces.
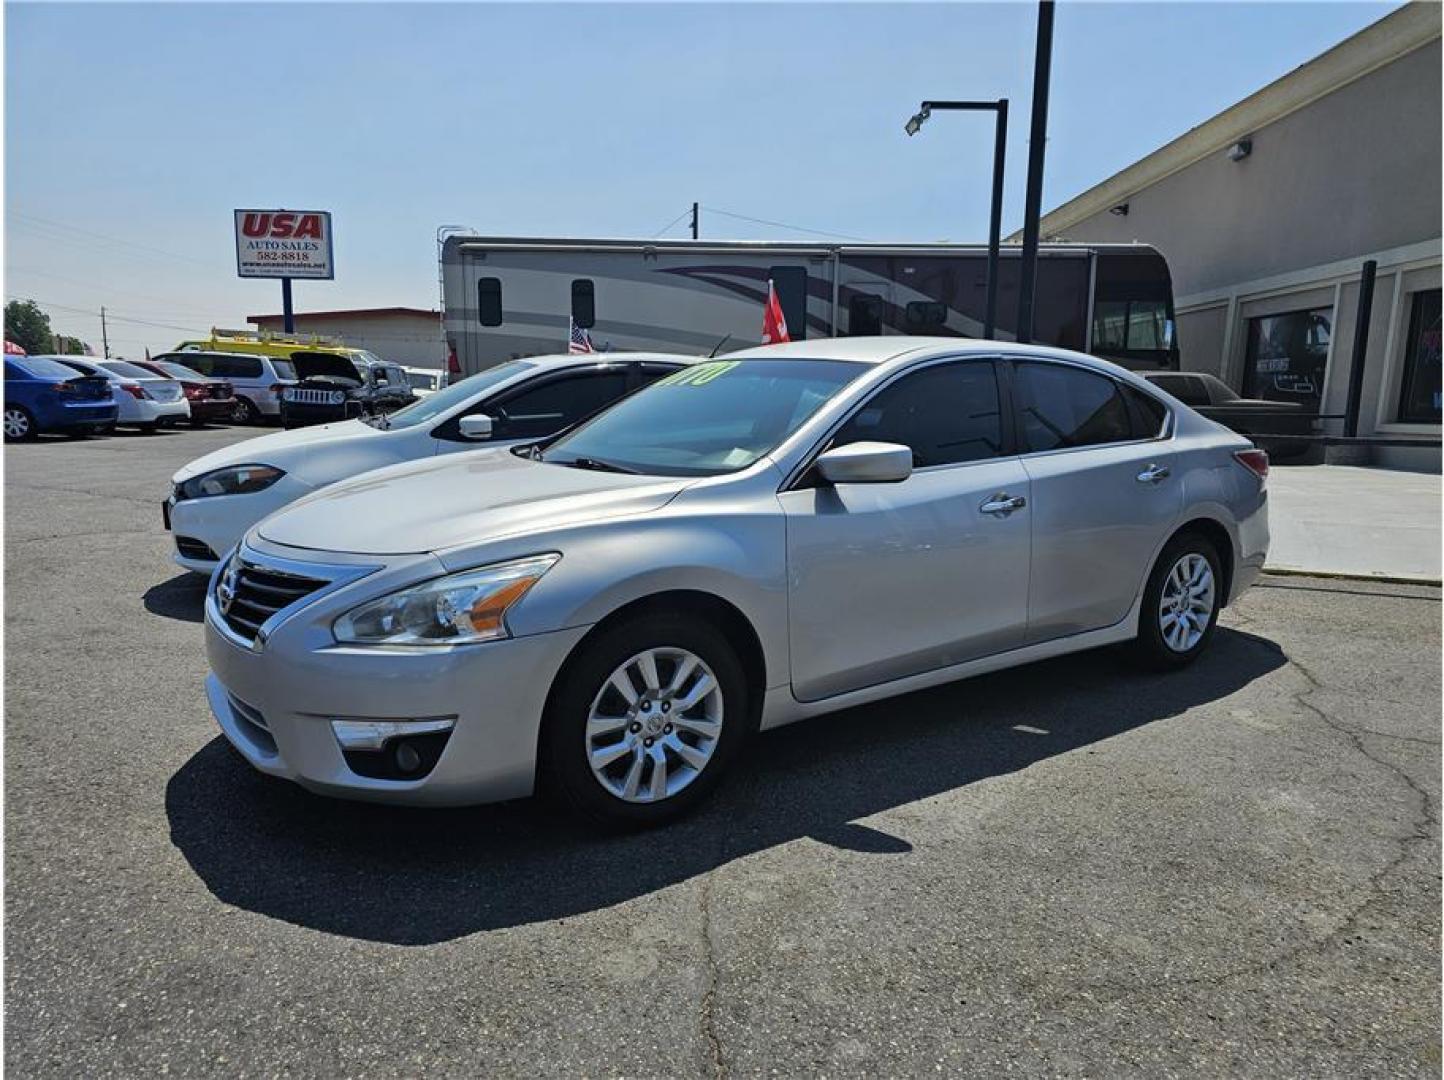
{"x":1341,"y":519}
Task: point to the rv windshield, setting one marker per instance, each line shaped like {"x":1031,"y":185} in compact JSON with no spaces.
{"x":712,"y":418}
{"x":458,"y":393}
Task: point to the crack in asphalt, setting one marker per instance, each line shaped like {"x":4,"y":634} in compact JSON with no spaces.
{"x":1425,"y":820}
{"x":707,"y":1011}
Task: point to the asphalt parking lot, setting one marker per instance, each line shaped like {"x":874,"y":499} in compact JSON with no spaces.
{"x":1069,"y":869}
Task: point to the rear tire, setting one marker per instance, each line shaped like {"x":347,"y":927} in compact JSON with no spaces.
{"x":1180,"y":604}
{"x":588,"y":719}
{"x":244,"y":412}
{"x":19,"y":424}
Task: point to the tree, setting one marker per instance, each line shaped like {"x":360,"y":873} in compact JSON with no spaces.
{"x":28,"y":327}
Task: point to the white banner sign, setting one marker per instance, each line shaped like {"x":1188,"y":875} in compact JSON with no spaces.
{"x":284,"y":243}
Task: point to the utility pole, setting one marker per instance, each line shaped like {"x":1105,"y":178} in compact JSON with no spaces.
{"x":694,"y":221}
{"x":104,"y":337}
{"x":1037,"y":140}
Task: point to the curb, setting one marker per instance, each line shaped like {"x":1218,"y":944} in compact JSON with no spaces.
{"x":1338,"y":575}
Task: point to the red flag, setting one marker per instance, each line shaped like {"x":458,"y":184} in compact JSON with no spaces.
{"x":11,"y":349}
{"x":774,"y":326}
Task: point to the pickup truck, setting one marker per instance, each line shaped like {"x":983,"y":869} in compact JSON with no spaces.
{"x":1256,"y":418}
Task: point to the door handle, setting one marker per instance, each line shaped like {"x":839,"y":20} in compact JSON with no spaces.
{"x":1002,"y":504}
{"x":1153,"y":474}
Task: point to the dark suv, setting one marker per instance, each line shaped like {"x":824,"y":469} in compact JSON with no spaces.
{"x":332,"y":387}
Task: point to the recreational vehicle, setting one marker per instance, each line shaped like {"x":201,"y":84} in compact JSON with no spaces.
{"x":507,"y":298}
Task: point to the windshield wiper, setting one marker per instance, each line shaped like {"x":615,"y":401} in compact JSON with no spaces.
{"x":594,"y":464}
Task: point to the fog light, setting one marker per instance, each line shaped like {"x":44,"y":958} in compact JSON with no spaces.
{"x":407,"y":759}
{"x":374,"y":734}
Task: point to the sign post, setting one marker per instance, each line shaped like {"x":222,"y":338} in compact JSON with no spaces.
{"x":284,"y":244}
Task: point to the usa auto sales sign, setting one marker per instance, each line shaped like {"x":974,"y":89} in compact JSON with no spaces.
{"x":284,"y":243}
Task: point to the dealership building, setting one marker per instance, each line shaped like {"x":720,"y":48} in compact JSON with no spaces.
{"x":1267,"y":214}
{"x":410,"y":336}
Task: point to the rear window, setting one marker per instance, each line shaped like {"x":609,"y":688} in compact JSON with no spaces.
{"x":127,"y":371}
{"x":42,"y":368}
{"x":178,"y":371}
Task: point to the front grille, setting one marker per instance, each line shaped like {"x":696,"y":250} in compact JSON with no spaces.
{"x":303,"y":396}
{"x":192,"y":548}
{"x":259,"y":593}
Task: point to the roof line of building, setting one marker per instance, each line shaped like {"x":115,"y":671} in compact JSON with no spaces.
{"x":1410,"y":27}
{"x":347,"y":313}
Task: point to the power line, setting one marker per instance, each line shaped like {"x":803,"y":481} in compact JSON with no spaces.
{"x":108,"y":315}
{"x":781,"y":225}
{"x":107,"y":289}
{"x":92,"y":234}
{"x":671,"y":223}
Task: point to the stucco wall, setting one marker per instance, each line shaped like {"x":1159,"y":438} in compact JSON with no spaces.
{"x":1355,"y":172}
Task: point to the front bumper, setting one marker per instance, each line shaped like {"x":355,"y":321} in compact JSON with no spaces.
{"x":219,"y":521}
{"x":275,"y":702}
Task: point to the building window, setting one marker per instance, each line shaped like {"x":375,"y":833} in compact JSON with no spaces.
{"x":488,"y":300}
{"x":584,"y":303}
{"x":791,"y":285}
{"x":1419,"y":395}
{"x":1286,"y":356}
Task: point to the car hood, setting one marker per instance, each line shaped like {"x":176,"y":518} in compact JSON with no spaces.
{"x":325,"y":366}
{"x":284,"y":449}
{"x":462,"y":499}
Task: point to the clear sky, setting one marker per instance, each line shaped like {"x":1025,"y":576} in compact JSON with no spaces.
{"x":133,"y":131}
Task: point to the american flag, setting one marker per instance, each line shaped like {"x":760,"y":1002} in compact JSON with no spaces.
{"x":581,"y":341}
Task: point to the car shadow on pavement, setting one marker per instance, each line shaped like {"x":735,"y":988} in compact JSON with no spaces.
{"x":182,"y":597}
{"x":417,"y":877}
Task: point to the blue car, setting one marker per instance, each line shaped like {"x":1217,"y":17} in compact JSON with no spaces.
{"x":42,"y":394}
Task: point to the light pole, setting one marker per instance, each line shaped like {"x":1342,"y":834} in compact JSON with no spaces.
{"x":999,"y":109}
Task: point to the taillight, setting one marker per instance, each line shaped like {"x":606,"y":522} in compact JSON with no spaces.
{"x":135,"y":390}
{"x":1255,"y":461}
{"x":453,"y":365}
{"x":195,"y":391}
{"x":275,"y":388}
{"x":65,"y":388}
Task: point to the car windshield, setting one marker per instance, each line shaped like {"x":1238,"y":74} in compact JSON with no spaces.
{"x":127,"y":371}
{"x":179,"y":371}
{"x":712,"y":418}
{"x":432,"y":406}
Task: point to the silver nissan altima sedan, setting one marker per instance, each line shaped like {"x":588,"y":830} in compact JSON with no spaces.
{"x":791,"y":530}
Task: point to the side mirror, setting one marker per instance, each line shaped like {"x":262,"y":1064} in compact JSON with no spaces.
{"x":476,"y":427}
{"x":866,"y":463}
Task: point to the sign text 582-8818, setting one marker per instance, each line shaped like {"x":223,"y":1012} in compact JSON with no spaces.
{"x":284,"y":243}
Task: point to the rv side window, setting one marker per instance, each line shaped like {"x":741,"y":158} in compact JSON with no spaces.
{"x":584,"y":303}
{"x":926,"y":314}
{"x":791,"y":285}
{"x":864,"y":316}
{"x":488,"y":301}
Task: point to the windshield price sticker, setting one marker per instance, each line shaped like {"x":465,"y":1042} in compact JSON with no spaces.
{"x":701,"y":374}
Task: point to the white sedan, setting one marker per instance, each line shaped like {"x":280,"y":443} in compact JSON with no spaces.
{"x":216,"y":498}
{"x":146,"y":401}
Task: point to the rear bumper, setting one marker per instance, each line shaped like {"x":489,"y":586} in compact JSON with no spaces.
{"x":156,"y":412}
{"x":212,"y":408}
{"x":74,"y":416}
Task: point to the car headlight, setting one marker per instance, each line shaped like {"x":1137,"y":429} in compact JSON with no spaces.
{"x":233,"y":480}
{"x":454,"y":610}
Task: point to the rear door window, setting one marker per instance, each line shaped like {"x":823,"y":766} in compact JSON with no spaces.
{"x":947,"y":413}
{"x":1061,"y":406}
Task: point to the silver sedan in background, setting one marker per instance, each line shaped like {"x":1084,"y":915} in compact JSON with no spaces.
{"x":748,"y":542}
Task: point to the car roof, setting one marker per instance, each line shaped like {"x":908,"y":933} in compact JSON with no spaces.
{"x":880,"y":350}
{"x":562,"y":360}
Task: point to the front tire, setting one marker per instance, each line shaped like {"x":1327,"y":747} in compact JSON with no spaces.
{"x":643,"y":720}
{"x":1180,"y":604}
{"x":19,"y":424}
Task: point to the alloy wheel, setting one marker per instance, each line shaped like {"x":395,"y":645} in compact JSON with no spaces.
{"x":1186,"y":603}
{"x":654,"y":725}
{"x":17,"y":424}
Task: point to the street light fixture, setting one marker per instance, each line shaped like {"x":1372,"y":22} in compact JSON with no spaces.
{"x":999,"y":109}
